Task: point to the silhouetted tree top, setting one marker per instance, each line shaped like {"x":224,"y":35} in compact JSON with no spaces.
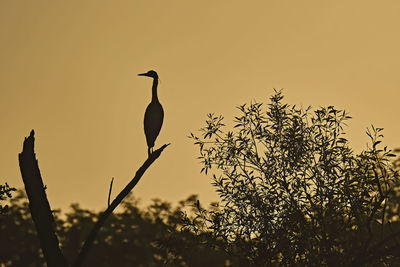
{"x":294,"y":192}
{"x":133,"y":236}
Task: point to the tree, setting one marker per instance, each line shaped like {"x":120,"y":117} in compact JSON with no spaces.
{"x":19,"y":244}
{"x":293,"y":192}
{"x":134,"y":236}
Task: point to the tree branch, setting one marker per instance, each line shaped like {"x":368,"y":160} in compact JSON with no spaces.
{"x":39,"y":205}
{"x":103,"y":217}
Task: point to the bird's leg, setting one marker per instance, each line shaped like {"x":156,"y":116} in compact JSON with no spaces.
{"x":149,"y":151}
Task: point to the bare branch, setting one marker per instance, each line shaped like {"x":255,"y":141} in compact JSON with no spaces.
{"x":103,"y":217}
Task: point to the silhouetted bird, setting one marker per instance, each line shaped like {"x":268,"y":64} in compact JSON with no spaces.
{"x":154,"y":116}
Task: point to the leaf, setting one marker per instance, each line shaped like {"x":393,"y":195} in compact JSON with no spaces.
{"x":376,"y":143}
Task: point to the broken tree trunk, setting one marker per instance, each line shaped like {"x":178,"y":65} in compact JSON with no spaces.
{"x":39,"y":205}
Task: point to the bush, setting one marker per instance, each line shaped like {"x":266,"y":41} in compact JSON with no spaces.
{"x":293,"y":192}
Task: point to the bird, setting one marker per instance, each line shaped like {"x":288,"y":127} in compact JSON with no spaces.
{"x":154,"y":115}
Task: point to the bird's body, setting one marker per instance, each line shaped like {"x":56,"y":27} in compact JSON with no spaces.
{"x":154,"y":115}
{"x":153,"y":120}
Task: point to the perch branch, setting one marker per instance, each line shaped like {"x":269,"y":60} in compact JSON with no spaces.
{"x":103,"y":217}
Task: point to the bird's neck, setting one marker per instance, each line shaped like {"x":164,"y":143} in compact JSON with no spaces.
{"x":154,"y":90}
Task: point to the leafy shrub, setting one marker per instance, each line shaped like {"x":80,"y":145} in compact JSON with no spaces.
{"x":293,"y":192}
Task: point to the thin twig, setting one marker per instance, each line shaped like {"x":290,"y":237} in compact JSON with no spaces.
{"x":109,"y":192}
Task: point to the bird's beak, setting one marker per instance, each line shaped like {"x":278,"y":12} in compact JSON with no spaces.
{"x":142,"y":74}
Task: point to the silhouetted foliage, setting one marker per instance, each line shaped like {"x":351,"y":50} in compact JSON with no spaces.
{"x":134,"y":236}
{"x":19,"y":243}
{"x":5,"y":192}
{"x":293,"y":192}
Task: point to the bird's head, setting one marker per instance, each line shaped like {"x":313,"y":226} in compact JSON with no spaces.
{"x":150,"y":73}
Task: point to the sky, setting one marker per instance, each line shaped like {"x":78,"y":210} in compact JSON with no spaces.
{"x":68,"y":70}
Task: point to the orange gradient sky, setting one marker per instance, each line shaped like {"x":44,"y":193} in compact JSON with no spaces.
{"x":68,"y":70}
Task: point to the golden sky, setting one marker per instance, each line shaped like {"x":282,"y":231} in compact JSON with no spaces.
{"x":68,"y":70}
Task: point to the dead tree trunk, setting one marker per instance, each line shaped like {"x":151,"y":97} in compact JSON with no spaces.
{"x":39,"y":205}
